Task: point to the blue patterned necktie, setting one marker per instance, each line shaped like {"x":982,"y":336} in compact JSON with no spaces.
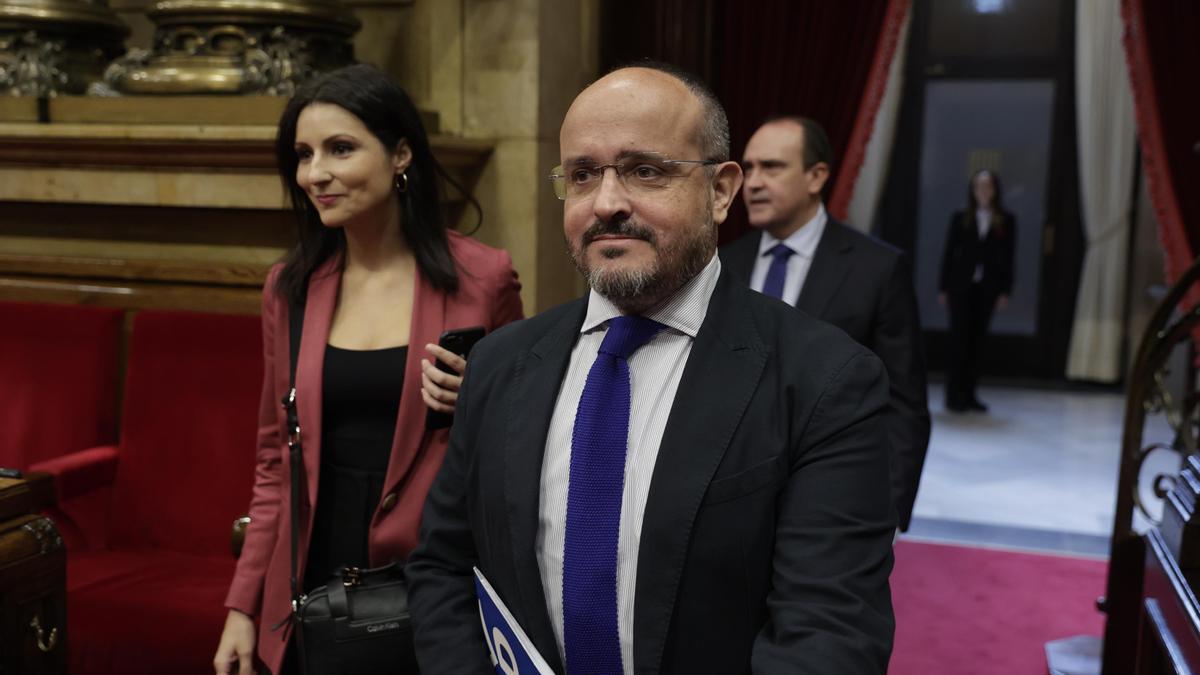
{"x":777,"y":272}
{"x":597,"y":481}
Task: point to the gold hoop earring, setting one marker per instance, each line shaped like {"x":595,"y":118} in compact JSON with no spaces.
{"x":402,"y":183}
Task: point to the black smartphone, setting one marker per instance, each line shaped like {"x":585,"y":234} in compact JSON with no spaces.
{"x":459,"y":341}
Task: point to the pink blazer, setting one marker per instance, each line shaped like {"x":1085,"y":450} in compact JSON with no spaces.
{"x":488,"y":295}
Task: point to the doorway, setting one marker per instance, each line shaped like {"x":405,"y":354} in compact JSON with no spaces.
{"x":990,"y":85}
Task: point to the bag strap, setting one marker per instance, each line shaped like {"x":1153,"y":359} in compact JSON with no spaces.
{"x":295,"y":450}
{"x":295,"y":329}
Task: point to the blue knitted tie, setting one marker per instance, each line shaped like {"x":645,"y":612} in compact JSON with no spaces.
{"x":777,"y":272}
{"x":594,"y":502}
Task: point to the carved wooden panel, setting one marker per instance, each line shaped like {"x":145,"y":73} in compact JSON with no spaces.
{"x":165,"y":216}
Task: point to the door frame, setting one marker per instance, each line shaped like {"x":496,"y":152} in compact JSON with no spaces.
{"x":1042,"y":355}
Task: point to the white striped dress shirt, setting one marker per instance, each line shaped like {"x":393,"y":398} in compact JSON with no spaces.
{"x":654,"y":374}
{"x":804,"y":243}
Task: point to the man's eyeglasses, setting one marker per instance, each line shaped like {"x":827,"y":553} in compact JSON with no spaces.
{"x":642,"y":173}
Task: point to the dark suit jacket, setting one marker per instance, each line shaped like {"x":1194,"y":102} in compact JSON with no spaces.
{"x":767,"y":536}
{"x":964,"y":250}
{"x":865,"y":287}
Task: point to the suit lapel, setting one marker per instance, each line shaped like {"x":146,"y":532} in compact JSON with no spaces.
{"x":428,"y":321}
{"x":534,"y":391}
{"x":997,"y":228}
{"x":323,"y":289}
{"x":827,"y":272}
{"x":722,"y":372}
{"x":737,"y":258}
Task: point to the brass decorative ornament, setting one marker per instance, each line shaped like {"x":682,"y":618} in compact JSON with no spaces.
{"x":236,"y":47}
{"x":52,"y":47}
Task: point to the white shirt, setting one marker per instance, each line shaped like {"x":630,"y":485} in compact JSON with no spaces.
{"x":804,"y":242}
{"x":654,"y":373}
{"x":983,"y":222}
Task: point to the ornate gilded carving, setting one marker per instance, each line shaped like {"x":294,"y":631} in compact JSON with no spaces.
{"x":1161,"y":417}
{"x":1180,"y":409}
{"x":51,"y":47}
{"x":236,"y":47}
{"x":29,"y":67}
{"x":45,"y":533}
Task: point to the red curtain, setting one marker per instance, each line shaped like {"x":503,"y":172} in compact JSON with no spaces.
{"x":868,"y":108}
{"x":1164,"y":55}
{"x":813,"y":58}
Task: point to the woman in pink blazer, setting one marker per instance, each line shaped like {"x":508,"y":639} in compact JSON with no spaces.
{"x":381,"y":278}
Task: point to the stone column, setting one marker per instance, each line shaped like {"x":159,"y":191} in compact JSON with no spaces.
{"x":503,"y":71}
{"x":524,"y":63}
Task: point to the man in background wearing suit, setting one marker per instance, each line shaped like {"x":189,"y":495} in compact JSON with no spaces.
{"x":800,"y":255}
{"x":673,"y":474}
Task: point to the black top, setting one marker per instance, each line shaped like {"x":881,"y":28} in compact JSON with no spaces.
{"x":360,"y":400}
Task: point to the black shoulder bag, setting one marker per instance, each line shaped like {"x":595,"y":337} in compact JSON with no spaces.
{"x":358,"y":623}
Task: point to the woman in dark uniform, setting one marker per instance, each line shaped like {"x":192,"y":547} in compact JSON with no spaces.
{"x":976,"y":278}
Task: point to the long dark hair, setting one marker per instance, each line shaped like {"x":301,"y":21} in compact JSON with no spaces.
{"x":387,"y":111}
{"x":973,"y":204}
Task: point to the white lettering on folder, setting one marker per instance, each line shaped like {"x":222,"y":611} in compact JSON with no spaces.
{"x":512,"y":652}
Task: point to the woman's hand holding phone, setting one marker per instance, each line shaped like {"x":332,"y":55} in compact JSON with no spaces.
{"x":439,"y":388}
{"x":440,"y":382}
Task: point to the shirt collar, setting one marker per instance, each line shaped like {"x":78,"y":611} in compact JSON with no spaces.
{"x":804,"y":240}
{"x":684,"y":311}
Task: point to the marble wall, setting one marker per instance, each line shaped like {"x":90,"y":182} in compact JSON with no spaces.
{"x":504,"y":71}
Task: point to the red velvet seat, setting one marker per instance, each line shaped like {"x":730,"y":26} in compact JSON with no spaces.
{"x":58,"y":380}
{"x":148,"y":568}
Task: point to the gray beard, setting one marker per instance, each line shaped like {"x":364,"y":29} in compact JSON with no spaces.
{"x":635,"y":291}
{"x":625,"y":285}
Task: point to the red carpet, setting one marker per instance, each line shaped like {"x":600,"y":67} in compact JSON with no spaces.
{"x":961,"y":609}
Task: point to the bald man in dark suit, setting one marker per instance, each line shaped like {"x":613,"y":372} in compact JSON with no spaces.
{"x":673,"y":473}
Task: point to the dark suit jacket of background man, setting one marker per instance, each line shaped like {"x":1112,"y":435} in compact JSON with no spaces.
{"x":865,"y":287}
{"x":770,"y":485}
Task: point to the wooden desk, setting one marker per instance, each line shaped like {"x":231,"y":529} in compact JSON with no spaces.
{"x":33,"y":576}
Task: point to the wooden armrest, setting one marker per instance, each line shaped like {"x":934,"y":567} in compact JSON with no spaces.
{"x":81,"y":472}
{"x":237,"y":538}
{"x":20,"y":496}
